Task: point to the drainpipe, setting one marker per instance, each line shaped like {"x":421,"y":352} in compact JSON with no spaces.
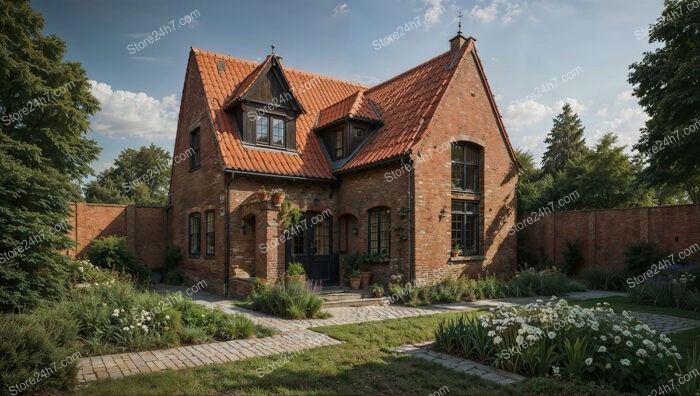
{"x":411,"y":209}
{"x":227,"y":260}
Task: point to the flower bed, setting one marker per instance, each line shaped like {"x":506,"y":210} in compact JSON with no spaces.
{"x":114,"y":316}
{"x":562,"y":340}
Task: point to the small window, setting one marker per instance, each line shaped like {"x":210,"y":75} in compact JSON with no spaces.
{"x":465,"y":167}
{"x":359,"y":132}
{"x":339,"y":144}
{"x":210,"y":236}
{"x":194,"y":233}
{"x":262,"y":130}
{"x":277,"y":131}
{"x":194,"y":149}
{"x":380,"y":231}
{"x":465,"y":227}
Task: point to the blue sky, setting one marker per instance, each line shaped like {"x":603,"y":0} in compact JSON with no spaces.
{"x":551,"y":51}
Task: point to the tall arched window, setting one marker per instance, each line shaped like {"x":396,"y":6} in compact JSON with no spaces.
{"x":465,"y":167}
{"x":379,"y":230}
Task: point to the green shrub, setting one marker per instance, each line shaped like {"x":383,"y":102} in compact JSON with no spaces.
{"x":640,"y":255}
{"x":295,"y":269}
{"x":664,"y":293}
{"x":605,"y":279}
{"x":446,"y":291}
{"x":294,"y":301}
{"x":573,"y":258}
{"x":41,"y":346}
{"x":561,"y":340}
{"x":114,"y":253}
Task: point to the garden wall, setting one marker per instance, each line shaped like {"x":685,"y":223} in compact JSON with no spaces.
{"x":605,"y":233}
{"x":144,"y":228}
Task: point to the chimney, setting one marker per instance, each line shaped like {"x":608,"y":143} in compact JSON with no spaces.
{"x":457,"y":42}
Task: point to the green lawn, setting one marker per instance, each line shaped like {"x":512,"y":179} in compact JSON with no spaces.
{"x":364,"y":364}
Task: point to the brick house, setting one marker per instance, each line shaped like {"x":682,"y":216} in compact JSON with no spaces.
{"x":408,"y":169}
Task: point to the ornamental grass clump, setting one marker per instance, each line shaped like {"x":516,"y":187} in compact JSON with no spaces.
{"x":293,"y":300}
{"x":561,"y":340}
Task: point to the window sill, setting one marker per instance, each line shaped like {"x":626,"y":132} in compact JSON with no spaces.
{"x":194,"y":168}
{"x":460,"y":259}
{"x":194,"y":256}
{"x":458,"y":191}
{"x":210,"y":257}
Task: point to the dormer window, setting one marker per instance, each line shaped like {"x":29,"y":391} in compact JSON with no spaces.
{"x":269,"y":130}
{"x":339,"y":143}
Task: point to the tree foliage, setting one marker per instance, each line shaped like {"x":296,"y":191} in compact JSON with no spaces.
{"x":138,"y":176}
{"x":667,"y":83}
{"x":46,"y":104}
{"x":565,"y":141}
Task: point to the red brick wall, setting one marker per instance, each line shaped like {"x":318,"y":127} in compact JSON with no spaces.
{"x":143,"y":227}
{"x":605,"y":233}
{"x":464,"y":115}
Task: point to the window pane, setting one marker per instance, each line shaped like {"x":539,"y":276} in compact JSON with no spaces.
{"x":465,"y":226}
{"x":278,"y":131}
{"x":210,"y":232}
{"x":339,"y":143}
{"x":457,"y":152}
{"x":380,"y":231}
{"x":457,"y":176}
{"x":471,"y":156}
{"x":194,"y":149}
{"x":471,"y":177}
{"x":298,"y":244}
{"x":374,"y":232}
{"x":262,"y":130}
{"x":385,"y":236}
{"x":195,"y":227}
{"x":321,"y":247}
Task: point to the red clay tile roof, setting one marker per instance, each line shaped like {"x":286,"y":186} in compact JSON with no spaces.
{"x":247,"y":82}
{"x":405,"y":103}
{"x":354,"y":106}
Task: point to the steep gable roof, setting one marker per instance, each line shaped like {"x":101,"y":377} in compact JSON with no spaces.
{"x":405,"y":104}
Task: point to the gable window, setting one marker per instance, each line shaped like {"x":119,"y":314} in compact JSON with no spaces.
{"x":277,"y":131}
{"x":262,"y":130}
{"x":194,"y":233}
{"x":379,"y":230}
{"x":465,"y":167}
{"x":465,"y":226}
{"x":194,"y":149}
{"x":269,"y":130}
{"x":339,"y":143}
{"x":359,"y":132}
{"x":210,"y":240}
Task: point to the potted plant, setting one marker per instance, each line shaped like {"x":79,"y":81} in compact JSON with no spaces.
{"x":365,"y":273}
{"x":377,"y":290}
{"x":278,"y":196}
{"x":456,"y":249}
{"x":355,"y":280}
{"x":295,"y":272}
{"x":263,"y":194}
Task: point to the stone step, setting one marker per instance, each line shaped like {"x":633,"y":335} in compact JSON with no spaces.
{"x":343,"y":296}
{"x":360,"y":302}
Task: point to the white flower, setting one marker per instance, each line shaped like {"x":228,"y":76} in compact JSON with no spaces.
{"x":624,"y":362}
{"x":497,"y":340}
{"x":602,"y":349}
{"x":641,"y":352}
{"x":519,"y":339}
{"x":555,"y":370}
{"x":81,"y":269}
{"x":603,"y":338}
{"x":617,"y":339}
{"x":167,"y":317}
{"x":115,"y":313}
{"x":551,"y":335}
{"x":126,"y":329}
{"x":589,"y":361}
{"x":629,"y":344}
{"x":677,"y":356}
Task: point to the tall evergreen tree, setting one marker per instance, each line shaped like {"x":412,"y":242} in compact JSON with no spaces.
{"x":667,"y":83}
{"x":46,"y":103}
{"x":533,"y":184}
{"x":565,"y":141}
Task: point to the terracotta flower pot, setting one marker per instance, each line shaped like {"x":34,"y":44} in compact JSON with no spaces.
{"x":455,"y":253}
{"x":277,"y":199}
{"x":355,"y":283}
{"x":365,"y":277}
{"x":263,"y":196}
{"x":378,"y":294}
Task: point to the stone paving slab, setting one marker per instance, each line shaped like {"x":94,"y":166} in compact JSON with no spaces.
{"x":666,"y":324}
{"x":120,"y":365}
{"x":467,"y":366}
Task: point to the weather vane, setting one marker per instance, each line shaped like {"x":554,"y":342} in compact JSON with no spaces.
{"x":273,"y":49}
{"x":459,"y":28}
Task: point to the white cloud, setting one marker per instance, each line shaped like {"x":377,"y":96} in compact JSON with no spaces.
{"x":341,"y":9}
{"x":626,"y":125}
{"x":623,"y":97}
{"x":365,"y":79}
{"x":602,"y":112}
{"x":576,"y":106}
{"x":529,"y":113}
{"x":132,"y":114}
{"x":504,"y":10}
{"x":434,"y":9}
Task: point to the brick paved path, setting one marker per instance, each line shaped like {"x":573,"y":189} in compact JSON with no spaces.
{"x":294,"y":334}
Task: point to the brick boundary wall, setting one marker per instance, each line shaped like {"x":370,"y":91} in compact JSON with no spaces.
{"x":605,"y":233}
{"x":144,"y":227}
